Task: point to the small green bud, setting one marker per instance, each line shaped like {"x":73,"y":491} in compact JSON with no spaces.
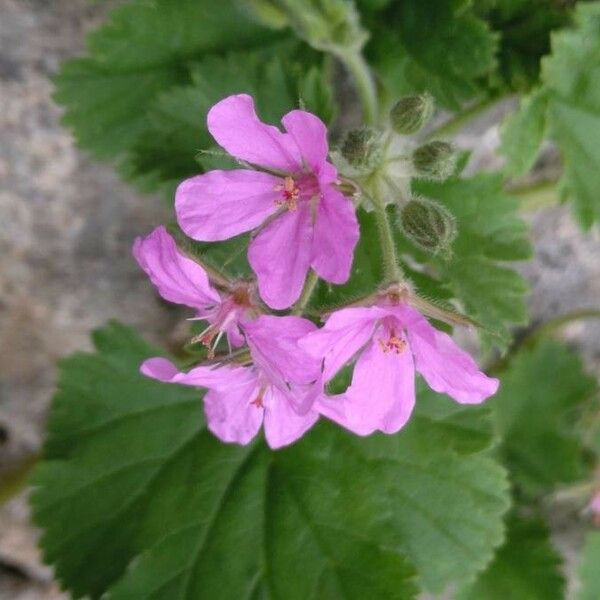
{"x":428,"y":225}
{"x":363,"y":148}
{"x":435,"y":160}
{"x":411,"y":113}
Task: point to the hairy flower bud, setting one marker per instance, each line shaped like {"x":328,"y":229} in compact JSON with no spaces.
{"x":411,"y":113}
{"x":428,"y":225}
{"x":363,"y":148}
{"x":435,"y":160}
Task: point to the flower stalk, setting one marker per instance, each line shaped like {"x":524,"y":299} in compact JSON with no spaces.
{"x":365,"y":85}
{"x":393,"y":272}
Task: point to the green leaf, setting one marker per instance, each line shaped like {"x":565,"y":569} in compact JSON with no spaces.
{"x":524,"y":37}
{"x":170,"y":148}
{"x":133,"y":483}
{"x":588,"y":573}
{"x":527,"y":567}
{"x":439,"y":46}
{"x":489,"y":231}
{"x":523,"y":133}
{"x":141,"y":51}
{"x":571,"y":75}
{"x":542,"y":391}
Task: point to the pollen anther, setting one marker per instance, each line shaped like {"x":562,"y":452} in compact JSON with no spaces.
{"x":290,"y":195}
{"x":392,"y":344}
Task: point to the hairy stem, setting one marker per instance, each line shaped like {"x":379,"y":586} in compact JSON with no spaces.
{"x":549,"y":327}
{"x":365,"y":85}
{"x":537,"y":195}
{"x":393,"y":272}
{"x":458,"y":121}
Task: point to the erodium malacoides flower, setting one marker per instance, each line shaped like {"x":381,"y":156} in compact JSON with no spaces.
{"x":300,"y":220}
{"x":279,"y":387}
{"x":273,"y":380}
{"x":181,"y":280}
{"x":277,"y":366}
{"x":389,"y":341}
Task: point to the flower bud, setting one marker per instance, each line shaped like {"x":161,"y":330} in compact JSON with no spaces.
{"x":428,"y":225}
{"x":411,"y":113}
{"x":435,"y":160}
{"x":363,"y":148}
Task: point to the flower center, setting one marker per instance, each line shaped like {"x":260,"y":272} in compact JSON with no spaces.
{"x":258,"y":401}
{"x":392,"y":344}
{"x":206,"y":338}
{"x":290,"y":193}
{"x":293,"y":190}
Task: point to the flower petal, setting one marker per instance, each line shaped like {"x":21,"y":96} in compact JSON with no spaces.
{"x":343,"y":335}
{"x":273,"y":343}
{"x":222,"y":204}
{"x":231,"y":415}
{"x":310,"y":135}
{"x":234,"y":124}
{"x":215,"y":378}
{"x":382,"y":393}
{"x":446,"y":368}
{"x":280,"y":257}
{"x":177,"y":278}
{"x":283,"y":425}
{"x":335,"y":237}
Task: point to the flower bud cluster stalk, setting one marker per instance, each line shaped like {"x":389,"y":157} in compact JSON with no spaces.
{"x":383,"y":162}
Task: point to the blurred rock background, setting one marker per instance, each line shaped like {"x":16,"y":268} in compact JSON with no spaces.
{"x":66,"y":228}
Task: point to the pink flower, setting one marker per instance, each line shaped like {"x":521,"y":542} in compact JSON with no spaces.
{"x":279,"y":388}
{"x":181,"y":280}
{"x":303,"y":220}
{"x":391,"y":341}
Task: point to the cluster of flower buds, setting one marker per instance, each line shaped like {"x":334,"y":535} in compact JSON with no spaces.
{"x":329,"y":25}
{"x":274,"y":370}
{"x":387,"y":159}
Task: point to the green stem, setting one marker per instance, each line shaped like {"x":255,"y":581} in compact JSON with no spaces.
{"x":309,"y":287}
{"x":537,"y":195}
{"x":16,"y":479}
{"x":365,"y":85}
{"x":393,"y":272}
{"x":457,"y":122}
{"x":549,"y":327}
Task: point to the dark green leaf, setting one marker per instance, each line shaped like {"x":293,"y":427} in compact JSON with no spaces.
{"x":170,"y":149}
{"x":527,"y":567}
{"x":439,"y":46}
{"x":537,"y":406}
{"x":143,"y":50}
{"x":524,"y":27}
